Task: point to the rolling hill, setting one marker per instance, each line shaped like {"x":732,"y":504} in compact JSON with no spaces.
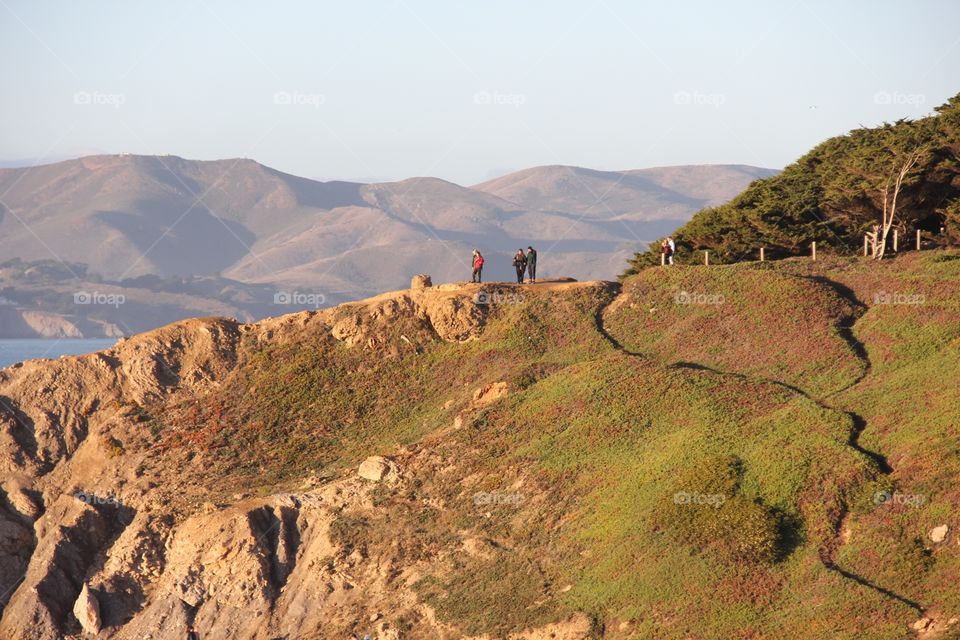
{"x":127,"y":215}
{"x":836,"y":193}
{"x":735,"y":451}
{"x":659,"y":193}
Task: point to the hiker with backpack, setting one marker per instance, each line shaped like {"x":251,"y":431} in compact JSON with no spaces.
{"x":673,"y":249}
{"x":532,"y":264}
{"x":520,"y":264}
{"x":477,"y":266}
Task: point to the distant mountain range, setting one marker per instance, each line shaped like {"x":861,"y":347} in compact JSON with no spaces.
{"x":124,"y":216}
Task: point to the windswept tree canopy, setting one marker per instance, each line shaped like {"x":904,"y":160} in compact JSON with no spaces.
{"x":834,"y":193}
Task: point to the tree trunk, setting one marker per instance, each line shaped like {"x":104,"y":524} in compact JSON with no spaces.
{"x":890,"y":192}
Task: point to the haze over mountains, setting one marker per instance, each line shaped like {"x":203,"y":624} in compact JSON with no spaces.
{"x":125,"y":216}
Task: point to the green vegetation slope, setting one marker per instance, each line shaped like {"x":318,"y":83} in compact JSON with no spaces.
{"x":742,"y":451}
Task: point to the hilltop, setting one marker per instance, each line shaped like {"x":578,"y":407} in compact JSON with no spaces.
{"x":753,"y":450}
{"x":834,"y":194}
{"x":230,"y":234}
{"x":659,"y":193}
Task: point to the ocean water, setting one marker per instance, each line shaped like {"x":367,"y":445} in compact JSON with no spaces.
{"x":13,"y":351}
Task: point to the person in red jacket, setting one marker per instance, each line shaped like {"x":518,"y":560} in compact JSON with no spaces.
{"x":477,"y":266}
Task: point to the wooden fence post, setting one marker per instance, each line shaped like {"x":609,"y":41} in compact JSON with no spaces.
{"x":895,"y":241}
{"x":918,"y":239}
{"x":663,"y":259}
{"x":706,"y":258}
{"x":761,"y":254}
{"x":813,"y":247}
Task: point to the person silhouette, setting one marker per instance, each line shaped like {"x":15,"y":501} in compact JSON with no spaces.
{"x":520,"y":264}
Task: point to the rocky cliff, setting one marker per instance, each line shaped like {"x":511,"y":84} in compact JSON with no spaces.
{"x":103,"y":533}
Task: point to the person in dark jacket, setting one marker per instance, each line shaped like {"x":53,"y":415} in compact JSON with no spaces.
{"x":192,"y":633}
{"x":532,"y":264}
{"x":520,"y":264}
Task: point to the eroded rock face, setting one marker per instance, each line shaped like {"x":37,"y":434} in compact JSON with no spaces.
{"x":490,"y":393}
{"x":16,"y":546}
{"x":455,"y":318}
{"x":89,"y":542}
{"x":69,"y":536}
{"x":421,"y":314}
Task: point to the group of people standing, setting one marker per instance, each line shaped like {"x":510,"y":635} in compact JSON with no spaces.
{"x":522,"y":262}
{"x":667,"y":248}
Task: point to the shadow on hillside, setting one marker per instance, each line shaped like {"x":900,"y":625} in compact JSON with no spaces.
{"x":180,"y":241}
{"x":863,"y":582}
{"x":859,"y":423}
{"x":23,"y":433}
{"x":845,"y":329}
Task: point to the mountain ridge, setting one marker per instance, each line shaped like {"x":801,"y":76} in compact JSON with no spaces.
{"x":123,"y":217}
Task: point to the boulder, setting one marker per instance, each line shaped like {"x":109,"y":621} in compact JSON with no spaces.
{"x":87,"y":611}
{"x":939,"y":534}
{"x":421,"y":281}
{"x":22,"y":502}
{"x":377,"y":468}
{"x":489,"y":393}
{"x":922,"y":624}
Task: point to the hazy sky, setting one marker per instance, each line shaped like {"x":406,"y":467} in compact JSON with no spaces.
{"x":465,"y":90}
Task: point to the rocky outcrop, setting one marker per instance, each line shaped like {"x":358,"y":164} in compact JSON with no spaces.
{"x":421,"y":281}
{"x":490,"y":393}
{"x":377,"y":468}
{"x":16,"y":546}
{"x":70,"y":536}
{"x":418,"y":314}
{"x":95,"y":539}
